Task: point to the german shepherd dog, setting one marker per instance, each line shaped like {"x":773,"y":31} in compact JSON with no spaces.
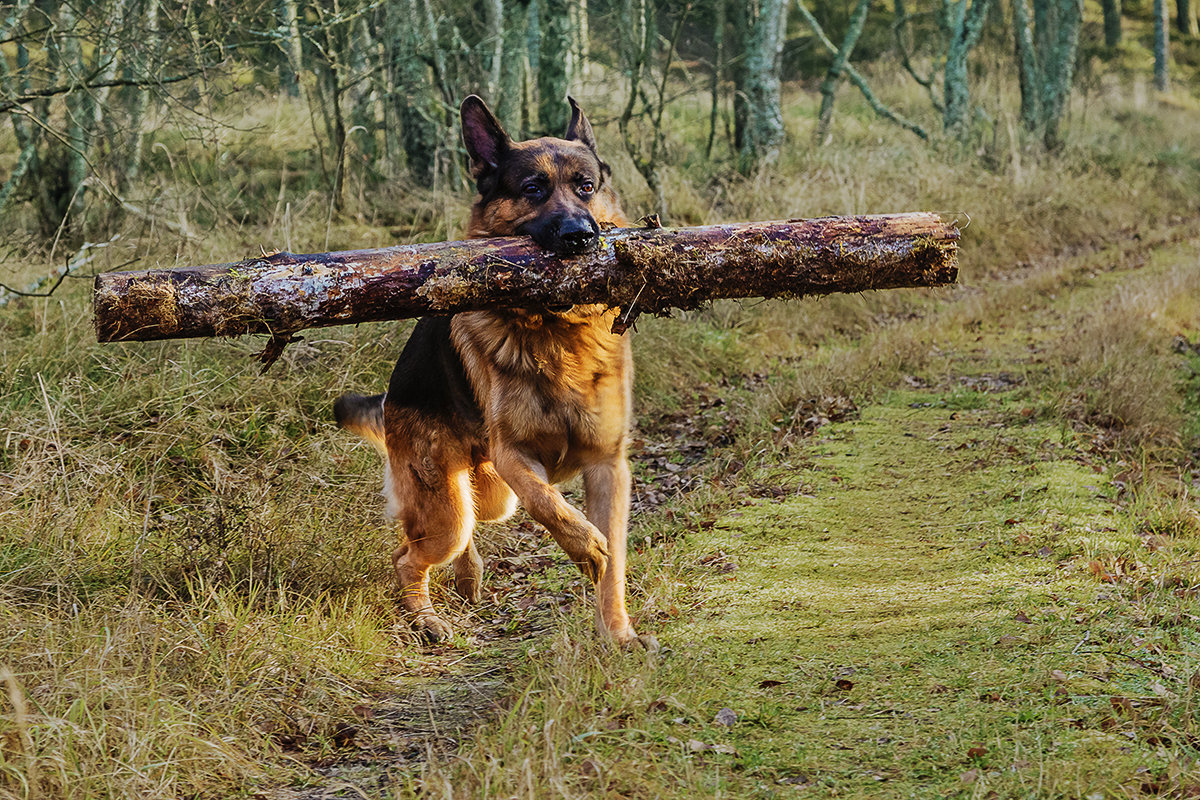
{"x":488,"y":408}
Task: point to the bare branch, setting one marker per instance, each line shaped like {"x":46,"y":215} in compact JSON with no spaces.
{"x":51,"y":91}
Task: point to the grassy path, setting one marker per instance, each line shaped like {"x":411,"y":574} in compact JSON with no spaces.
{"x":896,"y":630}
{"x":952,"y":594}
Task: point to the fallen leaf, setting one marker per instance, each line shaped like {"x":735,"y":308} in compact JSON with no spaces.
{"x":1022,"y":617}
{"x":725,"y":749}
{"x":1058,"y":675}
{"x":978,"y":751}
{"x":843,"y":685}
{"x":769,"y":683}
{"x":726,"y":717}
{"x":970,"y":776}
{"x":1121,"y":705}
{"x":697,"y":746}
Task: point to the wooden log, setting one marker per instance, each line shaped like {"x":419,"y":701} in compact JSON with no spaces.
{"x":636,"y":269}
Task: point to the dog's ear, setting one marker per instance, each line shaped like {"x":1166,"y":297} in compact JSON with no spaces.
{"x":579,"y":129}
{"x":483,"y":136}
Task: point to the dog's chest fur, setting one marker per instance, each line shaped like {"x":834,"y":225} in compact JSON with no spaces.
{"x":555,"y":384}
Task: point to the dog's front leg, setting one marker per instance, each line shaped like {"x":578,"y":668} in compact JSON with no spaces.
{"x":580,"y":539}
{"x":607,"y":487}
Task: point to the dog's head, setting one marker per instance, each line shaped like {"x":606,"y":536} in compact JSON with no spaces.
{"x":555,"y":190}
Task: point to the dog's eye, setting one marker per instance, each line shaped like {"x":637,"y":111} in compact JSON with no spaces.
{"x":587,"y":187}
{"x":532,"y":190}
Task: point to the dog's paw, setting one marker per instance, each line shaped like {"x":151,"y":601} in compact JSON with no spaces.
{"x":593,"y":561}
{"x":468,"y":576}
{"x":468,"y":589}
{"x":630,"y":640}
{"x":432,"y":628}
{"x":642,"y":641}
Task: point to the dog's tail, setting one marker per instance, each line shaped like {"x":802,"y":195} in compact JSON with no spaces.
{"x":362,"y":416}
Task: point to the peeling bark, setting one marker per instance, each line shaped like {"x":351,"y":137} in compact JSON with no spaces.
{"x":638,"y":270}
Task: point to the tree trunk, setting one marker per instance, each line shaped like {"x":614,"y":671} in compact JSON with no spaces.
{"x":22,"y":130}
{"x":580,"y":43}
{"x":493,"y":16}
{"x":1028,"y":70}
{"x":1185,"y":20}
{"x":1058,"y":68}
{"x":965,"y":25}
{"x":834,"y":75}
{"x":79,"y":111}
{"x":293,"y":60}
{"x":763,"y":132}
{"x":638,"y":270}
{"x":1046,"y":64}
{"x":419,"y":130}
{"x":510,"y":100}
{"x":141,"y":99}
{"x":554,"y":63}
{"x":1161,"y":45}
{"x":1112,"y":22}
{"x":717,"y":65}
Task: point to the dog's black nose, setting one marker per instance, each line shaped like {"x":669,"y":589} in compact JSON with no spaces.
{"x":578,"y":235}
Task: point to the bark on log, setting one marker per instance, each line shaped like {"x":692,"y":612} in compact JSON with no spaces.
{"x":638,"y":269}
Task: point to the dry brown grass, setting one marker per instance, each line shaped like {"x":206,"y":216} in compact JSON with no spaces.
{"x":193,"y":584}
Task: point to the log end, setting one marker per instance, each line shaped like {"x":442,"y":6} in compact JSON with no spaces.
{"x":125,"y":309}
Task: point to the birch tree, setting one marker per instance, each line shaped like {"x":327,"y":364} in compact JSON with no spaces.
{"x":1046,"y":45}
{"x":1161,"y":45}
{"x":758,"y":110}
{"x":963,"y":23}
{"x":554,"y":65}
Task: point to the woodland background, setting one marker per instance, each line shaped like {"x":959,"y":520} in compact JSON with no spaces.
{"x":101,"y":99}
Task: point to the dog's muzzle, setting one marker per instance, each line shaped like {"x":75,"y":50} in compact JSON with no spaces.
{"x":566,"y":236}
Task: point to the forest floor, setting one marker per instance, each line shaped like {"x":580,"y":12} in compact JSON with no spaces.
{"x":944,"y":593}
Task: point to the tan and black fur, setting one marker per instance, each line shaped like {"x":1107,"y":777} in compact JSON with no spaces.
{"x":490,"y":408}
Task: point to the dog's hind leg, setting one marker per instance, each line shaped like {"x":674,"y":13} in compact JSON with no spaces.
{"x":468,"y":573}
{"x":428,"y":489}
{"x":494,"y":502}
